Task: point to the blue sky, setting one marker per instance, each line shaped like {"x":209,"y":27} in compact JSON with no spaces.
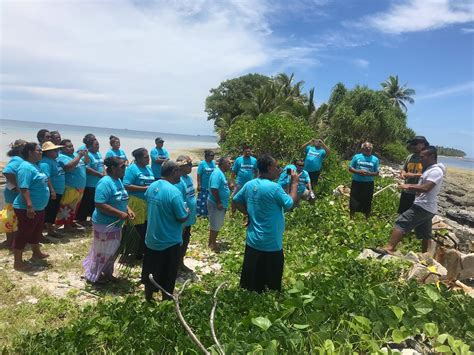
{"x":150,"y":64}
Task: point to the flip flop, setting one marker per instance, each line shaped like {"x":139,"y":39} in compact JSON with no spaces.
{"x":381,"y":251}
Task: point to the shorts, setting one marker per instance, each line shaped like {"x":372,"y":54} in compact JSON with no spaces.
{"x":406,"y":201}
{"x":29,"y":229}
{"x":418,"y":219}
{"x":314,"y":176}
{"x":216,"y":217}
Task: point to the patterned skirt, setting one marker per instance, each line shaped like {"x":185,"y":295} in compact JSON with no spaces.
{"x":201,"y":205}
{"x":101,"y":257}
{"x":69,"y":205}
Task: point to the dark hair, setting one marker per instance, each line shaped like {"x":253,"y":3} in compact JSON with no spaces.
{"x":112,"y":137}
{"x":65,"y":141}
{"x":139,"y":153}
{"x":41,"y":133}
{"x":208,"y":153}
{"x":158,"y":139}
{"x":245,"y":146}
{"x":264,"y":162}
{"x":168,"y":167}
{"x":222,"y":160}
{"x":27,"y":148}
{"x":112,"y":162}
{"x":16,"y":147}
{"x":87,"y":138}
{"x":295,"y":161}
{"x":55,"y":132}
{"x":431,"y":149}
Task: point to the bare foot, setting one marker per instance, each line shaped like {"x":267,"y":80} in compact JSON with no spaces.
{"x":22,"y":267}
{"x":39,"y":255}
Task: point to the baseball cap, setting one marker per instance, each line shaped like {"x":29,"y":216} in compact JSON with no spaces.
{"x":50,"y":146}
{"x":418,"y":139}
{"x":159,"y":139}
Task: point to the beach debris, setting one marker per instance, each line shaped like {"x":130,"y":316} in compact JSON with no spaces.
{"x":341,"y":191}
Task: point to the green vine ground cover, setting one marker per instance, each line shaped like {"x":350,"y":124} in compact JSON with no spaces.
{"x":331,"y":302}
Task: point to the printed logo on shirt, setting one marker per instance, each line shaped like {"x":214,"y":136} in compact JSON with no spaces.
{"x":121,"y":195}
{"x":365,"y":165}
{"x":314,"y":154}
{"x":145,"y":180}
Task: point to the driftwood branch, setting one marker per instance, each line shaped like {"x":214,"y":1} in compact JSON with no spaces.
{"x":211,"y":320}
{"x":391,"y":186}
{"x":179,"y":314}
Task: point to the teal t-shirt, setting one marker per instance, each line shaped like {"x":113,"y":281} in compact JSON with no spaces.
{"x":314,"y":158}
{"x":205,"y":170}
{"x":218,"y":181}
{"x":31,"y":177}
{"x":266,"y":202}
{"x":116,"y":153}
{"x":97,"y":163}
{"x":189,"y":196}
{"x":165,"y":207}
{"x":55,"y":172}
{"x":156,"y":153}
{"x":111,"y":192}
{"x":11,"y":168}
{"x":140,"y":176}
{"x":303,"y":180}
{"x":363,"y":162}
{"x":245,"y":169}
{"x":76,"y":177}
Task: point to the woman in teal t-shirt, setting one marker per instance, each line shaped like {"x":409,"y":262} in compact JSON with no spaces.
{"x":29,"y":205}
{"x":11,"y":190}
{"x":111,"y":210}
{"x":95,"y":171}
{"x":204,"y":171}
{"x":115,"y":150}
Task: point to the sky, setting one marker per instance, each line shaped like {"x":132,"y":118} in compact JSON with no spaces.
{"x":149,"y":65}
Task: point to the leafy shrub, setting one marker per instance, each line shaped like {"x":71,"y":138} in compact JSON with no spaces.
{"x":395,"y":152}
{"x":276,"y":134}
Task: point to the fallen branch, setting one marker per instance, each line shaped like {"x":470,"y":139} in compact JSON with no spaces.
{"x":211,"y":320}
{"x":178,"y":312}
{"x":386,"y":187}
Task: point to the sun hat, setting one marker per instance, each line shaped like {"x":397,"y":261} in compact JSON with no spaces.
{"x":50,"y":146}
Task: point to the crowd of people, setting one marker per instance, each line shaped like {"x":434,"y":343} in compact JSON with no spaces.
{"x":53,"y":187}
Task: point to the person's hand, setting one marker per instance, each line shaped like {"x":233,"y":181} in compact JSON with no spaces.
{"x":402,"y":186}
{"x":83,"y":152}
{"x":123,"y":216}
{"x":30,"y":212}
{"x":53,"y":195}
{"x":131,"y":214}
{"x":294,"y":177}
{"x":231,"y":185}
{"x":220,"y":207}
{"x":363,"y":172}
{"x":198,"y":188}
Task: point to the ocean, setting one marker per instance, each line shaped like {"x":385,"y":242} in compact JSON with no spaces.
{"x":462,"y":163}
{"x":11,"y":130}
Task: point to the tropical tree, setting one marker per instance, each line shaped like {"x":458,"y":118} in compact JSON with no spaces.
{"x":397,"y":94}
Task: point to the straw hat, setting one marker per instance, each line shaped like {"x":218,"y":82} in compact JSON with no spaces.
{"x":50,"y":146}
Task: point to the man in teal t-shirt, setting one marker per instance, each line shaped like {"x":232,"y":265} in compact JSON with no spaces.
{"x":166,"y":215}
{"x":245,"y":169}
{"x":364,"y":167}
{"x":305,"y":190}
{"x":315,"y":152}
{"x":264,"y":201}
{"x":158,"y":156}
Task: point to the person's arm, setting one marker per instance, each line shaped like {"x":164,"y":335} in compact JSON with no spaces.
{"x":356,"y":171}
{"x":112,"y":211}
{"x":93,"y":172}
{"x":136,"y":188}
{"x":239,"y":201}
{"x":198,"y":178}
{"x":325,"y":147}
{"x":294,"y":186}
{"x":307,"y":143}
{"x":73,"y":163}
{"x":215,"y":193}
{"x":30,"y":211}
{"x":11,"y":179}
{"x":376,"y":168}
{"x":51,"y":190}
{"x":232,"y":177}
{"x":423,"y":188}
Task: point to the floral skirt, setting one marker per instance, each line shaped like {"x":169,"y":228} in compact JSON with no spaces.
{"x":69,"y":205}
{"x":201,"y":205}
{"x":101,"y":257}
{"x":8,"y":219}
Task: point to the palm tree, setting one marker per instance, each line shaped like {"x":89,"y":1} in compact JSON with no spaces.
{"x":397,"y":94}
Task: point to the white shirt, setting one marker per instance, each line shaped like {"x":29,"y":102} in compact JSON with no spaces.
{"x":429,"y":200}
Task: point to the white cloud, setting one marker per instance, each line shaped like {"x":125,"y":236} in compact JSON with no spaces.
{"x":154,"y":59}
{"x":467,"y":30}
{"x":421,"y":15}
{"x":447,"y":91}
{"x":361,"y":63}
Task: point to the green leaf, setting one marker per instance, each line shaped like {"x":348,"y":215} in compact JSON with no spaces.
{"x":329,"y":345}
{"x":422,"y":308}
{"x":443,"y":349}
{"x":397,"y":311}
{"x":301,"y":326}
{"x":397,"y":336}
{"x":262,"y":322}
{"x":431,"y":329}
{"x":442,"y":338}
{"x":432,"y":292}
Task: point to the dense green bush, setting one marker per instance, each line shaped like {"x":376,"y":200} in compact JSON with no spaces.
{"x":395,"y":152}
{"x":276,"y":134}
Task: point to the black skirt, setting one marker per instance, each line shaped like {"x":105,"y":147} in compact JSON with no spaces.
{"x":361,"y":196}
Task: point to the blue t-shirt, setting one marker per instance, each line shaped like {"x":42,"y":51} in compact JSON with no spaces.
{"x":55,"y":172}
{"x":189,"y":196}
{"x":363,"y":162}
{"x":156,"y":153}
{"x":11,"y":168}
{"x":245,"y":169}
{"x":116,"y":153}
{"x":165,"y":207}
{"x":314,"y":158}
{"x":29,"y":176}
{"x":111,"y":192}
{"x":303,"y":180}
{"x":218,"y":181}
{"x":205,"y":170}
{"x":265,"y":201}
{"x":136,"y":175}
{"x":76,"y":177}
{"x":81,"y":147}
{"x":97,"y":163}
